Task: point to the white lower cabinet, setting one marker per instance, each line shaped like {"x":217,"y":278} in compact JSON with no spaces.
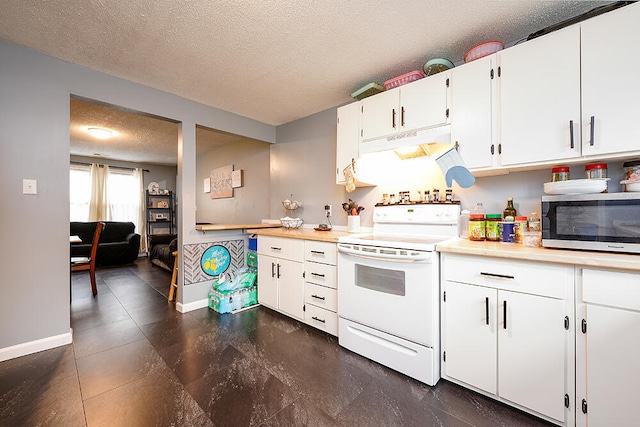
{"x":298,"y":278}
{"x":280,"y":275}
{"x":320,"y":287}
{"x":607,"y":348}
{"x":507,"y":331}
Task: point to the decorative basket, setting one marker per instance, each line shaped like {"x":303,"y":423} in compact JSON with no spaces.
{"x":291,"y":222}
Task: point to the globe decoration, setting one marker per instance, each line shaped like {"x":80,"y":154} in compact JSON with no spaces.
{"x":215,"y":260}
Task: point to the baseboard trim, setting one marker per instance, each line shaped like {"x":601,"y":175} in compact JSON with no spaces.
{"x":35,"y":346}
{"x":184,"y":308}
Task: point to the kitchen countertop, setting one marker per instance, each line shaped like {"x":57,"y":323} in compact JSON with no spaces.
{"x":221,"y":227}
{"x":301,"y":233}
{"x":560,"y":256}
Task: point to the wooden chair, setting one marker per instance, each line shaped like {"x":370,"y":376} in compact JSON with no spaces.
{"x":89,"y":263}
{"x":173,"y":291}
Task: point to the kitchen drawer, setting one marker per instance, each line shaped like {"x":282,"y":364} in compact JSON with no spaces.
{"x":612,"y":288}
{"x":322,"y":319}
{"x":324,"y":252}
{"x":320,"y":274}
{"x":537,"y":278}
{"x":321,"y":296}
{"x":281,"y":248}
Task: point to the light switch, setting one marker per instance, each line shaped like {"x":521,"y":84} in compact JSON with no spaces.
{"x":29,"y":186}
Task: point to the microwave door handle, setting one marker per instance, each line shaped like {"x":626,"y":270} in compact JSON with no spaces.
{"x":384,"y":257}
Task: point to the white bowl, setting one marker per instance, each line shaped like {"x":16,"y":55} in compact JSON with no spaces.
{"x":633,"y":186}
{"x":290,"y":222}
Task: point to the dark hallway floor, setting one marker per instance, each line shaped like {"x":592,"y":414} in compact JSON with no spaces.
{"x":136,"y":361}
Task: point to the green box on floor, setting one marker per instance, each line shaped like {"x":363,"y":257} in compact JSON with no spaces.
{"x":228,"y":301}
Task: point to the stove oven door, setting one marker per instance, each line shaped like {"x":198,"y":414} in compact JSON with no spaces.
{"x":390,"y":293}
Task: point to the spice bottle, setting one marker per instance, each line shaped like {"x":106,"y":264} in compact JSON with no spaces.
{"x":436,"y":195}
{"x":448,"y":196}
{"x":509,"y":212}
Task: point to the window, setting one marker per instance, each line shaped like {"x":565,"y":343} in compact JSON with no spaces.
{"x":79,"y":192}
{"x":123,"y":196}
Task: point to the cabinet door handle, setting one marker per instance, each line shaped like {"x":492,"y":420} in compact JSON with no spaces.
{"x":318,"y":319}
{"x":273,"y":248}
{"x":317,"y":274}
{"x":571,"y":133}
{"x":504,"y":313}
{"x":318,"y":297}
{"x":592,"y":130}
{"x":318,"y":252}
{"x":486,"y":310}
{"x":278,"y":271}
{"x":499,"y":276}
{"x":273,"y":272}
{"x":402,"y":116}
{"x":393,"y":118}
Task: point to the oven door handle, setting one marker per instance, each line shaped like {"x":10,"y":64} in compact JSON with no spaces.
{"x":413,"y":257}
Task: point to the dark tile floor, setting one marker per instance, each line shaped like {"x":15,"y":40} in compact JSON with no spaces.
{"x":136,"y":361}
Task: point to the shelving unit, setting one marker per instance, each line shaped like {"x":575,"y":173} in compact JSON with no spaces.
{"x":161,"y":218}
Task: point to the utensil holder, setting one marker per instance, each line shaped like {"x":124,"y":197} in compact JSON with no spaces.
{"x":353,"y":224}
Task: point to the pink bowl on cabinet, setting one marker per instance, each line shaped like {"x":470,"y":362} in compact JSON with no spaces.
{"x":483,"y":49}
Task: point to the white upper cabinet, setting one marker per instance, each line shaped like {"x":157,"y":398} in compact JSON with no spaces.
{"x":539,"y":86}
{"x":347,"y":139}
{"x":417,"y":105}
{"x":610,"y":88}
{"x":472,"y":91}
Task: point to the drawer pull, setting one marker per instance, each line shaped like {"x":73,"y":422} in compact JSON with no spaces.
{"x":318,"y":319}
{"x":275,"y":249}
{"x":317,"y":274}
{"x":318,"y":297}
{"x":499,"y":276}
{"x":317,"y":252}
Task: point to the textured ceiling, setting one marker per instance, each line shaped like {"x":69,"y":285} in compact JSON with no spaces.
{"x":270,"y":60}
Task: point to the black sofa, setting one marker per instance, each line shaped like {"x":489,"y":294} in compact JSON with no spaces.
{"x":118,"y":244}
{"x":161,"y":248}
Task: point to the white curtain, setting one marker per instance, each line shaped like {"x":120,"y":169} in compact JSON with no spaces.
{"x":141,"y":223}
{"x":98,"y":205}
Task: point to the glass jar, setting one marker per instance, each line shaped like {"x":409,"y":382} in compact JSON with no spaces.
{"x":476,"y":227}
{"x":436,"y":195}
{"x":492,"y":233}
{"x":448,"y":195}
{"x":392,"y":199}
{"x":463,"y":224}
{"x":632,"y":170}
{"x":520,"y":228}
{"x":534,"y":222}
{"x":560,"y":173}
{"x":596,"y":170}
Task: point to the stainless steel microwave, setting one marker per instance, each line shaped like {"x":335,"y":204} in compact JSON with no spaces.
{"x":598,"y":222}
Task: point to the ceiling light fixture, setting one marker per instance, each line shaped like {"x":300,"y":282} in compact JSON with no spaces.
{"x":100,"y":133}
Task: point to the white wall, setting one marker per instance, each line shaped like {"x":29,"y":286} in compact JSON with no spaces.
{"x":34,"y":143}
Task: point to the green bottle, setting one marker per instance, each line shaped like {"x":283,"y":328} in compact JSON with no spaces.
{"x":509,"y":212}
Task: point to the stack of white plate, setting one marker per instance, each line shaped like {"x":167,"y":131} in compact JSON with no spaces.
{"x":576,"y":186}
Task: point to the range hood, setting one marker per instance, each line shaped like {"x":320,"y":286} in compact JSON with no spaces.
{"x":404,"y":140}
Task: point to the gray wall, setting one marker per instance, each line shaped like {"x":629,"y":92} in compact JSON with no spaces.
{"x":303,"y":163}
{"x":250,"y":203}
{"x":34,"y":143}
